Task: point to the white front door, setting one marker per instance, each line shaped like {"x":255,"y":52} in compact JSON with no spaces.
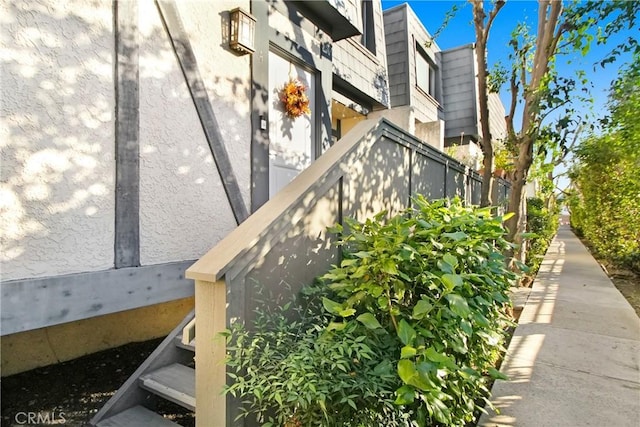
{"x":291,"y":141}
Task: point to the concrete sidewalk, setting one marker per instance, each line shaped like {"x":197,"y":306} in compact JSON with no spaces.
{"x":574,"y":358}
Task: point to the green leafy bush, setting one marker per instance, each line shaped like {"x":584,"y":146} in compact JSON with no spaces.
{"x":542,"y":226}
{"x":306,"y":372}
{"x":605,"y":207}
{"x":605,"y":204}
{"x":408,"y":331}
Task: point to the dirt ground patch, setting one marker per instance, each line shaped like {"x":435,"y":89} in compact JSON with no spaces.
{"x":74,"y":391}
{"x":628,"y":283}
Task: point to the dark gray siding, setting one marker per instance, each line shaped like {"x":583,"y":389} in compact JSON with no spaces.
{"x":405,"y":35}
{"x":396,"y":35}
{"x":459,"y":91}
{"x":427,"y":107}
{"x":359,"y":67}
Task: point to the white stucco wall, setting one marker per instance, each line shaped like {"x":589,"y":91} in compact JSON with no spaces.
{"x":56,"y":137}
{"x":468,"y":154}
{"x":290,"y":30}
{"x":432,"y":133}
{"x":183,"y":207}
{"x":403,"y":116}
{"x":497,"y":122}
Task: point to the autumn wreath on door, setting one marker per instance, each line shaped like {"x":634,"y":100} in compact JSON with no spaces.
{"x":294,"y":99}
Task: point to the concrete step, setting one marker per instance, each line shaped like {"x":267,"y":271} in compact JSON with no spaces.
{"x":176,"y":383}
{"x":191,"y":346}
{"x":136,"y":417}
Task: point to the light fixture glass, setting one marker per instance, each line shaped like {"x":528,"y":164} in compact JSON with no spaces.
{"x":242,"y":31}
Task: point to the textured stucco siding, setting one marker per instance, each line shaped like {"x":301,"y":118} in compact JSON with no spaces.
{"x":397,"y":44}
{"x":402,"y":116}
{"x":183,"y":207}
{"x":354,"y":63}
{"x":459,"y":91}
{"x":56,"y":137}
{"x":469,"y":154}
{"x":292,"y":32}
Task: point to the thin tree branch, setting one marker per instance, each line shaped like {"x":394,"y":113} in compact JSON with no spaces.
{"x":565,"y":173}
{"x":492,"y":16}
{"x":563,"y":103}
{"x":523,"y":71}
{"x":543,"y":5}
{"x":512,"y":108}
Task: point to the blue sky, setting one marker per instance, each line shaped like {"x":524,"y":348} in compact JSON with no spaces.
{"x":460,"y":31}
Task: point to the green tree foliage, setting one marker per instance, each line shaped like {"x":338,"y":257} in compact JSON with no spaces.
{"x":547,"y":102}
{"x":406,"y":331}
{"x":605,"y":206}
{"x":542,"y":225}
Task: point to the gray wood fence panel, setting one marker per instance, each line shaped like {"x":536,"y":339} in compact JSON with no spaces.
{"x":383,"y":176}
{"x":428,"y":177}
{"x":376,"y":166}
{"x":455,"y":182}
{"x":297,"y":256}
{"x":386,"y":186}
{"x":476,"y":190}
{"x":503,"y":191}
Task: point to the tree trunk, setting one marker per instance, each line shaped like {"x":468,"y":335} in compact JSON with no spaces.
{"x":486,"y":192}
{"x":485,"y":138}
{"x":517,"y":222}
{"x":483,"y":102}
{"x":515,"y":196}
{"x":520,"y":253}
{"x":550,"y":199}
{"x":546,"y":43}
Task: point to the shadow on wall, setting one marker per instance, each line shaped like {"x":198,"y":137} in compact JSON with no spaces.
{"x":57,"y":155}
{"x":295,"y":248}
{"x":372,"y":169}
{"x":180,"y":189}
{"x":58,"y":169}
{"x":381,"y":84}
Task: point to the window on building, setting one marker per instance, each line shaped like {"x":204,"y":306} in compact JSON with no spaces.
{"x":368,"y":26}
{"x":425,"y":73}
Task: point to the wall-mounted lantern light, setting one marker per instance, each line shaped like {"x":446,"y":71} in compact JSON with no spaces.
{"x":242,"y":31}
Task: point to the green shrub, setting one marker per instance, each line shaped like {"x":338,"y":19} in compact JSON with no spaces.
{"x":605,"y":204}
{"x":307,"y":372}
{"x":408,"y":331}
{"x":605,"y":207}
{"x":542,"y":226}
